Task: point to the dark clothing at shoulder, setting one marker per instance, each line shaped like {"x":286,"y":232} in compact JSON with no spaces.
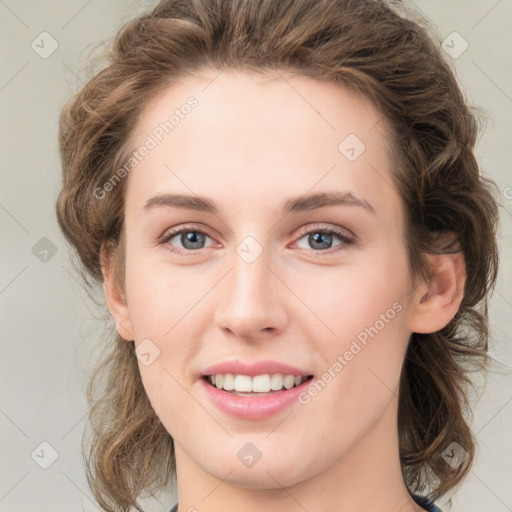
{"x":426,"y":504}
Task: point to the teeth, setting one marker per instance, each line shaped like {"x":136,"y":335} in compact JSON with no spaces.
{"x":257,"y":384}
{"x":276,"y":382}
{"x":229,"y":382}
{"x":243,"y":383}
{"x":260,"y":383}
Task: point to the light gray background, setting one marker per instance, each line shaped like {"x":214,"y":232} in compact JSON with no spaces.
{"x":49,"y":328}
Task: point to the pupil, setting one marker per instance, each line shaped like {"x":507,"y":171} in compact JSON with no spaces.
{"x":193,"y":238}
{"x":316,"y":238}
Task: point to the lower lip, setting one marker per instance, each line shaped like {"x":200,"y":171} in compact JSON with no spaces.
{"x":253,"y":407}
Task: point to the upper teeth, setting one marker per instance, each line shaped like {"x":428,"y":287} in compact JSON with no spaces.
{"x":258,"y":383}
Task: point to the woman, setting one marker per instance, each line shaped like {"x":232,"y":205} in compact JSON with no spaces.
{"x":283,"y":205}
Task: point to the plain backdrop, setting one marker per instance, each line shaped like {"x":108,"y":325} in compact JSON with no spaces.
{"x":49,"y":328}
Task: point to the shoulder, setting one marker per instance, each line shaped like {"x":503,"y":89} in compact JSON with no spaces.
{"x":426,"y":504}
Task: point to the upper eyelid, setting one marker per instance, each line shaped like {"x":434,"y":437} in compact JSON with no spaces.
{"x":303,"y":230}
{"x":176,"y":231}
{"x":300,"y":230}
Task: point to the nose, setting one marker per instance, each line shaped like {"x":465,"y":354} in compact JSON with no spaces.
{"x":251,"y":299}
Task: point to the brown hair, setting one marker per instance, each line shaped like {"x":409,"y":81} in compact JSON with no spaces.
{"x":370,"y":46}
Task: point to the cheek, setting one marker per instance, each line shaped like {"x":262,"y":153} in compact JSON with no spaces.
{"x":167,"y":393}
{"x":352,"y":298}
{"x":161,"y":299}
{"x":364,"y":327}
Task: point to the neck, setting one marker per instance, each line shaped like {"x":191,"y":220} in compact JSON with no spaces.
{"x":368,"y":477}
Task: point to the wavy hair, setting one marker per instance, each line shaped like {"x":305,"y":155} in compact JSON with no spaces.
{"x":373,"y":46}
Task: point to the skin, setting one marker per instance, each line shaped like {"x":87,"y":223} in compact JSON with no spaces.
{"x":253,"y":142}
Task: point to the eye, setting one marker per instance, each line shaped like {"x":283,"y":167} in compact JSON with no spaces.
{"x":321,"y":238}
{"x":191,"y":239}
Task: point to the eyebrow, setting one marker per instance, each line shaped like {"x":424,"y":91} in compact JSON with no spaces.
{"x":295,"y":204}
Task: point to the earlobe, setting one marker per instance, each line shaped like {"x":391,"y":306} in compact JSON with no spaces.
{"x":114,"y":297}
{"x":438,"y":299}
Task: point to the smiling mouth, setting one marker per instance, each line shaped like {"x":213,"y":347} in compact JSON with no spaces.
{"x":258,"y":385}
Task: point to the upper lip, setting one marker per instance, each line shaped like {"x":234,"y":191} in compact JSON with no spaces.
{"x":259,"y":368}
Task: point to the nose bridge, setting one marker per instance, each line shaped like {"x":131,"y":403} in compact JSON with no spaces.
{"x":250,"y":301}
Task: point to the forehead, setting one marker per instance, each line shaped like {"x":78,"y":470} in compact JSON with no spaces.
{"x":264,"y":135}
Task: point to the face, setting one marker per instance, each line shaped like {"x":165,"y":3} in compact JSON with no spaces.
{"x":287,"y":259}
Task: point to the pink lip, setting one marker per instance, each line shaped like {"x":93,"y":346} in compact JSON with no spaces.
{"x":253,"y":407}
{"x":260,"y":368}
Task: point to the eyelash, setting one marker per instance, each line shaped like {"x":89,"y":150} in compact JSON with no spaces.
{"x":343,"y":237}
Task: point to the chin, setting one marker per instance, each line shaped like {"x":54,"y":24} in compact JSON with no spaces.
{"x":265,"y":474}
{"x":258,"y":481}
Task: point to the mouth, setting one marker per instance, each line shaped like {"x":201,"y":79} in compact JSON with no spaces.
{"x":257,"y":385}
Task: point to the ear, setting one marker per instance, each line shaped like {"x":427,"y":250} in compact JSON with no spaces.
{"x":438,"y":299}
{"x":116,"y":301}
